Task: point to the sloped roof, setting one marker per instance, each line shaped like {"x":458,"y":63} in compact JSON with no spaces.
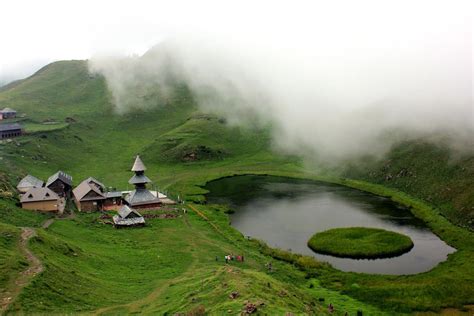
{"x":30,"y":182}
{"x":113,"y":194}
{"x":141,"y":196}
{"x":126,"y":212}
{"x":38,"y":194}
{"x":8,"y":110}
{"x":64,"y":177}
{"x":94,"y":180}
{"x":136,"y":179}
{"x":138,"y":165}
{"x":84,"y":188}
{"x":9,"y":127}
{"x":118,"y":221}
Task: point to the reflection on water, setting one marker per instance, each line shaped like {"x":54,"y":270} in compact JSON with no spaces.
{"x":285,"y":213}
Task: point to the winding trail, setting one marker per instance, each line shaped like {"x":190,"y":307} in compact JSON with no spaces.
{"x":35,"y":267}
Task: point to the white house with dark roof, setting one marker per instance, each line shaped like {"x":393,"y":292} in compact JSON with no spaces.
{"x":7,"y":113}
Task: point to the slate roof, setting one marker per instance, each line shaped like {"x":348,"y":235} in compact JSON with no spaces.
{"x":127,"y":216}
{"x":38,"y":195}
{"x":29,"y":182}
{"x":64,"y":177}
{"x":127,"y":212}
{"x":113,"y":194}
{"x":8,"y":110}
{"x":84,"y":188}
{"x":128,"y":221}
{"x":139,"y":178}
{"x":97,"y":182}
{"x":138,"y":165}
{"x":141,"y":196}
{"x":9,"y":127}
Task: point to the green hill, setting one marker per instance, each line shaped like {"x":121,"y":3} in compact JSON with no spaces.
{"x":170,"y":266}
{"x":430,"y":172}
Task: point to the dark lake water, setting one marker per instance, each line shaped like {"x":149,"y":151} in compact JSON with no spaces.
{"x":285,"y":213}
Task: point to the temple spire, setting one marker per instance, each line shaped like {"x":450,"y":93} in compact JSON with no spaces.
{"x":141,"y":197}
{"x":139,"y":179}
{"x":138,"y":165}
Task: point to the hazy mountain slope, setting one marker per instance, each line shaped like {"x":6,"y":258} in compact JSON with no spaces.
{"x":58,"y":90}
{"x":102,"y":143}
{"x":174,"y":131}
{"x":430,"y":172}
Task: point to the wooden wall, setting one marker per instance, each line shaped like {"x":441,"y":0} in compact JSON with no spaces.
{"x":50,"y":206}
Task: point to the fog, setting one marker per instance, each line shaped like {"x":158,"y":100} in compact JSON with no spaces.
{"x":337,"y":84}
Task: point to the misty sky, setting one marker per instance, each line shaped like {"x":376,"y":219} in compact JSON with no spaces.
{"x":37,"y":32}
{"x":333,"y":77}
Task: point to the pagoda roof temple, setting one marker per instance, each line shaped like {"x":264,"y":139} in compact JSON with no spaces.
{"x":141,"y":197}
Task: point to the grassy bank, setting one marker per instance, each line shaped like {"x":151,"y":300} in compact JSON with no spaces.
{"x":169,"y":266}
{"x":360,"y":243}
{"x":447,"y":285}
{"x":12,"y":261}
{"x":427,"y":170}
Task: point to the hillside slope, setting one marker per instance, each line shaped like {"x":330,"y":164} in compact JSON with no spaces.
{"x":174,"y":131}
{"x":183,"y":148}
{"x":430,"y":172}
{"x":99,"y":142}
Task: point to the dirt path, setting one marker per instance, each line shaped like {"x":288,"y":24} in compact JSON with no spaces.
{"x":50,"y":221}
{"x":47,"y":223}
{"x":35,"y":267}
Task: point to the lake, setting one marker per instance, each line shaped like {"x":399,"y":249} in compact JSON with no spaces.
{"x":286,"y":212}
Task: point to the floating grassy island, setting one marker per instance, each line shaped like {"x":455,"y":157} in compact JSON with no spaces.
{"x":360,"y":243}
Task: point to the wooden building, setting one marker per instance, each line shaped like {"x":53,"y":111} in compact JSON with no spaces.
{"x":128,"y":217}
{"x":89,"y":196}
{"x":113,"y":200}
{"x":60,"y":183}
{"x":41,"y":199}
{"x":7,"y":113}
{"x":29,"y":182}
{"x":141,"y":197}
{"x":93,"y":181}
{"x":10,"y":130}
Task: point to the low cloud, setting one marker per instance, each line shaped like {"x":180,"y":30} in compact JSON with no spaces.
{"x":332,"y":91}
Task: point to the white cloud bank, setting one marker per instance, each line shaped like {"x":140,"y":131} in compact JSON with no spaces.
{"x":336,"y":80}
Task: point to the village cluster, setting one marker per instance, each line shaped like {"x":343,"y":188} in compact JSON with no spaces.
{"x":92,"y":195}
{"x":12,"y":129}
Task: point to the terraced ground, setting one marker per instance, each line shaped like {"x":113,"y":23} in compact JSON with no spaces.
{"x":170,"y":266}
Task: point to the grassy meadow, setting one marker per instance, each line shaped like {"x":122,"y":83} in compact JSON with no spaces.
{"x":170,"y":265}
{"x":360,"y":242}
